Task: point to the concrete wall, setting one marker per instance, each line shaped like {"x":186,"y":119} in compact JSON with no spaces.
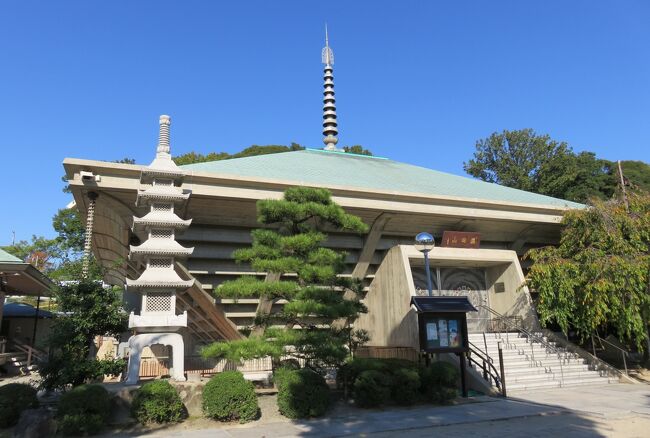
{"x":515,"y":300}
{"x":391,"y":322}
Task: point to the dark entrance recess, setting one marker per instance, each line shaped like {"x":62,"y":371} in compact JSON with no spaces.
{"x":442,"y":323}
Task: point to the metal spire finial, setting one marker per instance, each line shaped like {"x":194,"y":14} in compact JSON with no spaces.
{"x":329,"y":108}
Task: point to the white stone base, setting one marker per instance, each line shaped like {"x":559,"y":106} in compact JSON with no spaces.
{"x":138,"y":342}
{"x":160,"y":320}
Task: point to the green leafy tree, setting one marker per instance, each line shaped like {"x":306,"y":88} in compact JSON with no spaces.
{"x":70,"y":229}
{"x":598,"y":276}
{"x":525,"y":160}
{"x":577,"y":177}
{"x":636,"y":174}
{"x":315,"y":296}
{"x":41,"y":252}
{"x":251,"y":151}
{"x":514,"y":158}
{"x":59,"y":258}
{"x":357,"y":149}
{"x":89,"y":310}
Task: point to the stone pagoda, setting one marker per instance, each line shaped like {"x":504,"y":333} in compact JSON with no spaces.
{"x":161,"y":194}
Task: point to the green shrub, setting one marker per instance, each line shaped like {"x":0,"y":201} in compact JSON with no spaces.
{"x":281,"y":373}
{"x":14,"y":399}
{"x":81,"y":424}
{"x":439,"y":382}
{"x":405,"y":386}
{"x":372,"y":388}
{"x":61,"y":370}
{"x":301,"y":393}
{"x":84,"y":410}
{"x":157,"y":402}
{"x":349,"y":371}
{"x":228,"y":396}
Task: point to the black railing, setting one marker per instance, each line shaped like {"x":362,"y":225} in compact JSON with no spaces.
{"x":501,"y":323}
{"x":624,"y":353}
{"x":484,"y":362}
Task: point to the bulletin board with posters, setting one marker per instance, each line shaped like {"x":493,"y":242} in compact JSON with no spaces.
{"x":443,"y":332}
{"x":442,"y":323}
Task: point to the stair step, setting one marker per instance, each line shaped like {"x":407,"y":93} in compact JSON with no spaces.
{"x":532,"y":385}
{"x":546,"y":371}
{"x":524,"y":363}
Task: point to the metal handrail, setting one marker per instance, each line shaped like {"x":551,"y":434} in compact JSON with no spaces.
{"x":623,"y":351}
{"x":487,"y":366}
{"x":593,"y":360}
{"x":530,"y":338}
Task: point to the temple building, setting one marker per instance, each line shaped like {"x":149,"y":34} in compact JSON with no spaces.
{"x":140,"y":211}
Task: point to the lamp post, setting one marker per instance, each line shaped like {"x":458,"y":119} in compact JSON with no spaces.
{"x":424,"y":243}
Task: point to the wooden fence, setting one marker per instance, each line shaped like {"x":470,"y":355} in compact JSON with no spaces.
{"x":406,"y":353}
{"x":152,"y":367}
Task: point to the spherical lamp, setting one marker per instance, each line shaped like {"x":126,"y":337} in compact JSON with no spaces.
{"x":424,"y":243}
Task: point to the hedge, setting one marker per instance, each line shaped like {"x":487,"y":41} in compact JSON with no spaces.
{"x":405,"y":386}
{"x":84,"y":410}
{"x":14,"y":399}
{"x":301,"y":393}
{"x":401,"y":381}
{"x":372,"y":388}
{"x":349,"y":371}
{"x":439,"y":382}
{"x":228,"y":396}
{"x":157,"y":402}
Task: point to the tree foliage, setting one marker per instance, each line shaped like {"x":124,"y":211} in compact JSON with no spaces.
{"x":357,"y":149}
{"x":637,"y":175}
{"x":193,"y":157}
{"x":525,"y":160}
{"x":251,"y":151}
{"x":598,"y":276}
{"x":89,"y":310}
{"x":514,"y":158}
{"x":315,"y":296}
{"x":59,"y":258}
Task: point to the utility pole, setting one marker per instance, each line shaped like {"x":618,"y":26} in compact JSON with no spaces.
{"x":622,"y":182}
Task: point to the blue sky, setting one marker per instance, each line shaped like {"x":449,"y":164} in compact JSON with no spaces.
{"x":416,"y":81}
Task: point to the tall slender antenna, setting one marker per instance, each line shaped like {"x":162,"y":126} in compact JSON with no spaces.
{"x":330,"y":130}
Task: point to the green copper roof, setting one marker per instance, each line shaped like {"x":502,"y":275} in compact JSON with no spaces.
{"x":5,"y":257}
{"x":313,"y":167}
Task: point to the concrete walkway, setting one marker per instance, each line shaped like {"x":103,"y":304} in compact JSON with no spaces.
{"x":615,"y":400}
{"x":486,"y":409}
{"x":562,"y":409}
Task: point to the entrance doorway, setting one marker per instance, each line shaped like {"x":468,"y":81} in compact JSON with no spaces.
{"x":454,"y":281}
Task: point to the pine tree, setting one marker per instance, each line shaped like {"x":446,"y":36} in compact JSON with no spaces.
{"x":309,"y":325}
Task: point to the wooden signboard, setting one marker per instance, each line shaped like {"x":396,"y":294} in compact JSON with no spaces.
{"x":460,"y":239}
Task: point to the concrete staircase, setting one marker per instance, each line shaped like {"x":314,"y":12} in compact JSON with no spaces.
{"x":531,"y":365}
